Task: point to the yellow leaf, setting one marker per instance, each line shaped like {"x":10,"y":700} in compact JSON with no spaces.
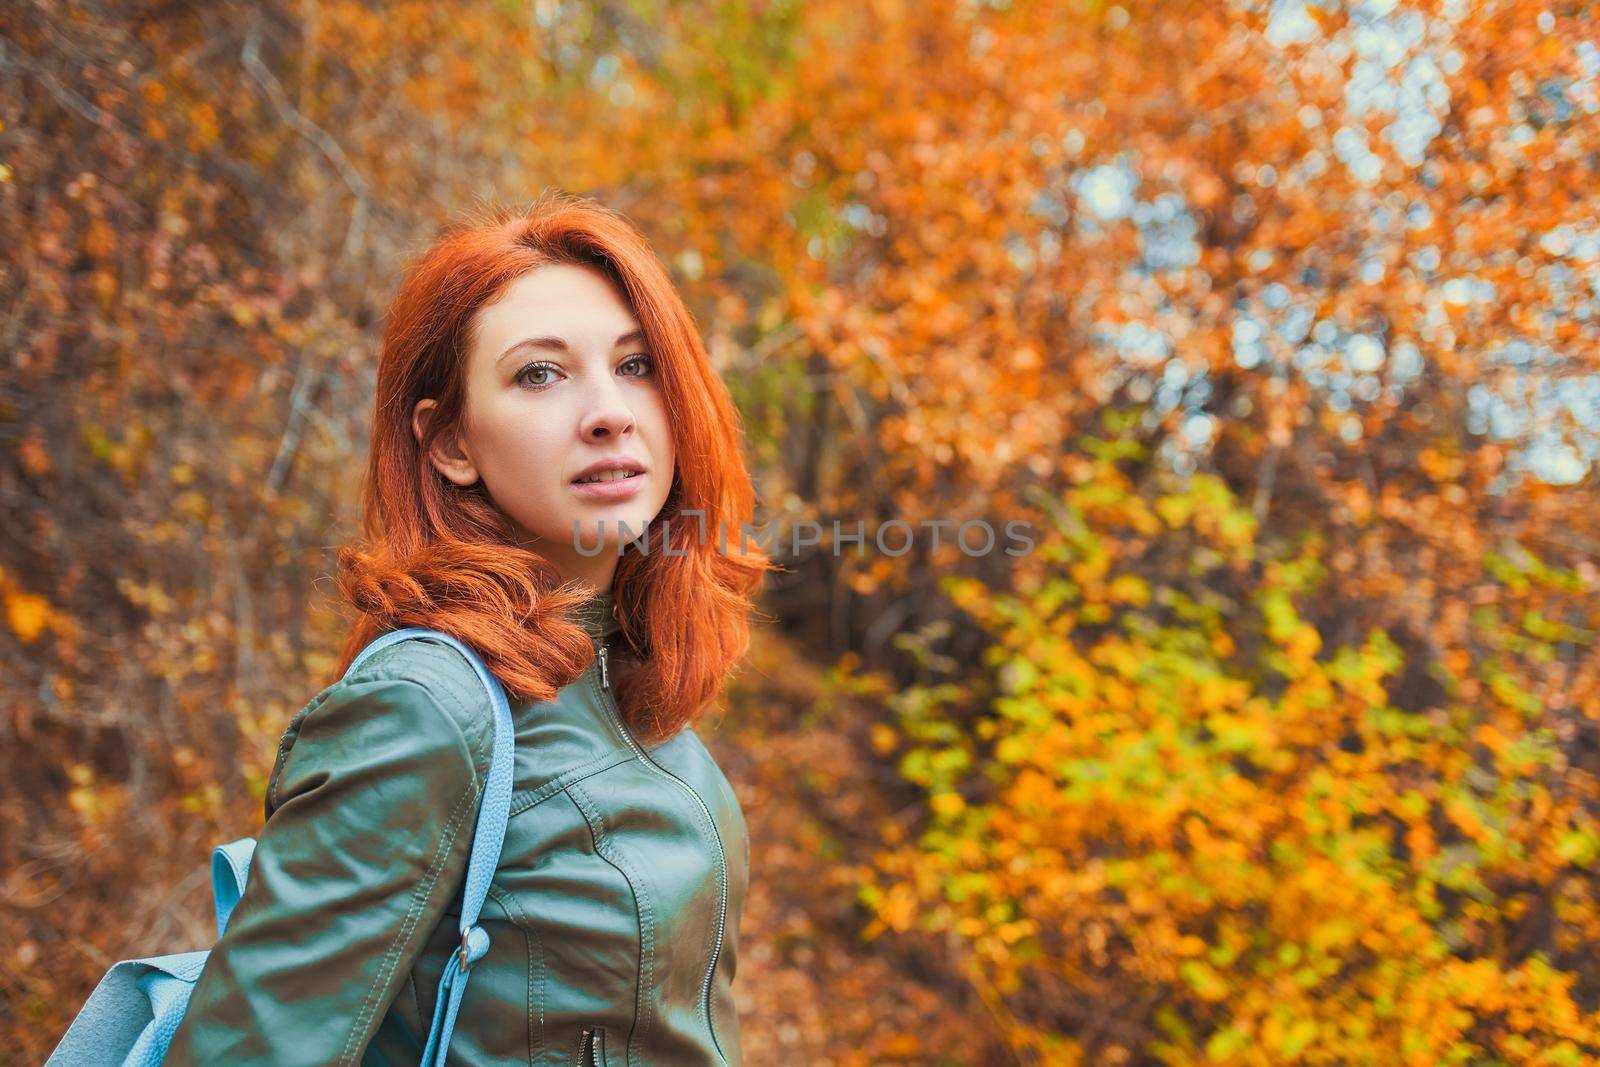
{"x":28,"y":615}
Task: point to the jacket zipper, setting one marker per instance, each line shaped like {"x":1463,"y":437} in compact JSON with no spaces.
{"x":591,"y":1048}
{"x":722,"y":857}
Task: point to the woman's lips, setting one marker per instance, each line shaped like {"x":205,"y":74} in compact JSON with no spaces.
{"x":619,"y":489}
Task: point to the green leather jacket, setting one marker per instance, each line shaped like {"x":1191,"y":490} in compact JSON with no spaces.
{"x":613,"y":916}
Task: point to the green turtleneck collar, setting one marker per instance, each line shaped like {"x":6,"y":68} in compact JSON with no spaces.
{"x":598,"y":615}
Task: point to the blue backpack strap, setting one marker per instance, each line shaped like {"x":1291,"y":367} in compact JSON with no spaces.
{"x":487,"y":840}
{"x":230,"y":867}
{"x":133,"y":1012}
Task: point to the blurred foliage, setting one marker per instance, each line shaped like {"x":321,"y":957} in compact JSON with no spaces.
{"x":1167,"y":803}
{"x":1278,"y":319}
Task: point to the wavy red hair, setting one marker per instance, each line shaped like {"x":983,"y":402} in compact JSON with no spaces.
{"x":439,"y":555}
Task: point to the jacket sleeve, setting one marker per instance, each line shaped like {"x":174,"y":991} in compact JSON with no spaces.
{"x":368,"y":841}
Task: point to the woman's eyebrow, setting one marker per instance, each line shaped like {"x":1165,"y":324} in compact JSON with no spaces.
{"x":557,"y":344}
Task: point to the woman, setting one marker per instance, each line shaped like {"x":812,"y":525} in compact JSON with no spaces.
{"x":545,"y":410}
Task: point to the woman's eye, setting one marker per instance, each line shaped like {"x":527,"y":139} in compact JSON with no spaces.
{"x":642,"y":362}
{"x":524,"y":375}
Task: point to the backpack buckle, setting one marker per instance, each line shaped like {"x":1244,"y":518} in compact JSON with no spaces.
{"x":472,"y":947}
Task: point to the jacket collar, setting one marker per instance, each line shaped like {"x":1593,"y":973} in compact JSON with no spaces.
{"x":598,"y":615}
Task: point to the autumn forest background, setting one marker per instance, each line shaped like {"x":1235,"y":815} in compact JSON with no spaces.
{"x":1277,"y":321}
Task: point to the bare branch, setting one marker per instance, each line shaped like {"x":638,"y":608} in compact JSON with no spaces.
{"x":250,"y":56}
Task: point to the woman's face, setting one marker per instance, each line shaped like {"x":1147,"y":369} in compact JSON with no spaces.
{"x":559,"y":380}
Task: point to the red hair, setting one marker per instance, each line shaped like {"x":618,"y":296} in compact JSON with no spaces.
{"x":443,"y":556}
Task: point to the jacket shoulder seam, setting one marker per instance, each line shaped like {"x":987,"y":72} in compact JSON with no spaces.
{"x":475,"y":731}
{"x":532,"y":798}
{"x":425,"y":662}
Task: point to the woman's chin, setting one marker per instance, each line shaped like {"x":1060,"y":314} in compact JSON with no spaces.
{"x":608,"y":527}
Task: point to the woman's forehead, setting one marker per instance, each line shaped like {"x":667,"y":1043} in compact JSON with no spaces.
{"x":558,"y":308}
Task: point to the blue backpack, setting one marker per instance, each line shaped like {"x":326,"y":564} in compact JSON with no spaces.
{"x":132,"y":1014}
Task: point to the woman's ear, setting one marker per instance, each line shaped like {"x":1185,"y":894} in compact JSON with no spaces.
{"x":450,"y":456}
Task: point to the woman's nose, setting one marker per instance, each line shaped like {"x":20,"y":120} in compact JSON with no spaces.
{"x":608,"y":416}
